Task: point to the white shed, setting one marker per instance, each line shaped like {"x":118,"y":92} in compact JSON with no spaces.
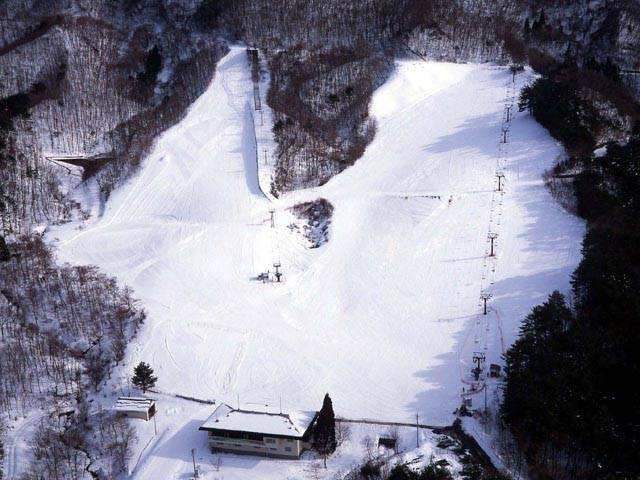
{"x":136,"y":407}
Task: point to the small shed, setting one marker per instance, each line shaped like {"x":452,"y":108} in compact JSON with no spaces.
{"x":136,"y":407}
{"x":387,"y":442}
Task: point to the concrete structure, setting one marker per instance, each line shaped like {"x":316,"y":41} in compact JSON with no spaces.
{"x":266,"y":434}
{"x":135,"y":407}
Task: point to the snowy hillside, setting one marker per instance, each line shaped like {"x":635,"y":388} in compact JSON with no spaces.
{"x":385,"y":315}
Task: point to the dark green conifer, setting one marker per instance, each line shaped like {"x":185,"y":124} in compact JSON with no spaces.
{"x":324,"y":438}
{"x":143,"y":377}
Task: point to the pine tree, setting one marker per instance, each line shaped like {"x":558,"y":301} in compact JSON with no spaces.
{"x":543,"y":18}
{"x":324,"y":438}
{"x":143,"y":377}
{"x":5,"y":255}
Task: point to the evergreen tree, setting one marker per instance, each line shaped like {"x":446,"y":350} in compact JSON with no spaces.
{"x":543,"y":18}
{"x":538,"y":24}
{"x":324,"y":438}
{"x":5,"y":255}
{"x":143,"y":377}
{"x":152,"y":66}
{"x":559,"y":108}
{"x":402,"y":472}
{"x":436,"y":471}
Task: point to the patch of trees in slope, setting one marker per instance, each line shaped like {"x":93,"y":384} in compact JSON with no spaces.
{"x":62,"y":330}
{"x":112,"y":76}
{"x":150,"y":60}
{"x":570,"y":397}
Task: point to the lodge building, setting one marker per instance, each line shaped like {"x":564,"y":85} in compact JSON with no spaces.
{"x":247,"y":432}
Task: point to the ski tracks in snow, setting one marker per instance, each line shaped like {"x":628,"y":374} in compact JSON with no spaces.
{"x":375,"y":316}
{"x":17,"y":447}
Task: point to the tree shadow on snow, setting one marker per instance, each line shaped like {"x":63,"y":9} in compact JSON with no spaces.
{"x":549,"y":249}
{"x":477,"y":135}
{"x":249,"y":153}
{"x":179,"y":446}
{"x":444,"y":386}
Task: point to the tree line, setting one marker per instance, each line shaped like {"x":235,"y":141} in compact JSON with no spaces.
{"x":569,"y":395}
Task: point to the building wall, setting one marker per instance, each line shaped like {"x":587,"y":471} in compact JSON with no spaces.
{"x":136,"y":414}
{"x":269,"y":446}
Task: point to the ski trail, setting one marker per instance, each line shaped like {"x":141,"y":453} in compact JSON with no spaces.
{"x":17,"y":445}
{"x":386,"y":315}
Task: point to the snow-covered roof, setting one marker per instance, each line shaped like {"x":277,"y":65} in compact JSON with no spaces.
{"x":129,"y":404}
{"x":600,"y":152}
{"x":294,"y":424}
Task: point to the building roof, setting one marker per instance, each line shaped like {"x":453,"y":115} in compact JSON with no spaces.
{"x":131,"y":404}
{"x":294,"y":424}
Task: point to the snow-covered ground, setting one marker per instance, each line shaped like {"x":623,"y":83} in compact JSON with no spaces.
{"x":167,"y":454}
{"x":385,"y":316}
{"x":17,"y":450}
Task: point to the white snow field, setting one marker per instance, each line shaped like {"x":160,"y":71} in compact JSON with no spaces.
{"x":384,"y":317}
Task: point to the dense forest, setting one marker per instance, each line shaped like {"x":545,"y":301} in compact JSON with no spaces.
{"x":569,"y":396}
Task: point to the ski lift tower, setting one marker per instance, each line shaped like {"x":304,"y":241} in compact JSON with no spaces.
{"x":278,"y":273}
{"x":478,"y":359}
{"x":500,"y":176}
{"x":484,"y":296}
{"x":492,"y":236}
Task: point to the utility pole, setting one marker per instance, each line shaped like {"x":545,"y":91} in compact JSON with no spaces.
{"x":500,"y":176}
{"x":504,"y":134}
{"x":155,"y":427}
{"x":273,"y":221}
{"x":193,"y":457}
{"x":485,"y":398}
{"x":492,"y":236}
{"x":265,"y":154}
{"x":508,"y":114}
{"x":484,"y":296}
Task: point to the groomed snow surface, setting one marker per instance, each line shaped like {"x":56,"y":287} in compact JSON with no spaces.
{"x":385,"y":316}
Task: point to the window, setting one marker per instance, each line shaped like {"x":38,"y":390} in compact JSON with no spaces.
{"x":287,"y":449}
{"x":269,"y":440}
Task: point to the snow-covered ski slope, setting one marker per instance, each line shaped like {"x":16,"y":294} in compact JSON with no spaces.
{"x":384,"y":316}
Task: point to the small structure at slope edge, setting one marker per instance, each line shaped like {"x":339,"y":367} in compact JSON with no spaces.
{"x":136,"y":407}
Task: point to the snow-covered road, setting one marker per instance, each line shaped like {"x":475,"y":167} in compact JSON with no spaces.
{"x":381,"y":316}
{"x":18,"y":446}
